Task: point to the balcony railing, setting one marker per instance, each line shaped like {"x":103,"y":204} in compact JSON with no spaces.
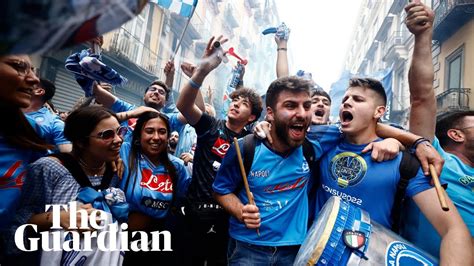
{"x":453,"y":99}
{"x":446,"y":6}
{"x":126,"y":45}
{"x":395,"y":45}
{"x":450,"y":15}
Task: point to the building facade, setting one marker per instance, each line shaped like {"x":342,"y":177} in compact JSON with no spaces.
{"x":453,"y":54}
{"x":382,"y":44}
{"x":140,"y":48}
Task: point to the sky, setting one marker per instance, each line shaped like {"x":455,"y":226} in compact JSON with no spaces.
{"x":320,"y":35}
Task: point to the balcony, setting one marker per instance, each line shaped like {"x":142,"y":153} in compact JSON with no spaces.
{"x":177,"y":25}
{"x":395,"y":47}
{"x":127,"y":46}
{"x":455,"y":99}
{"x":450,"y":15}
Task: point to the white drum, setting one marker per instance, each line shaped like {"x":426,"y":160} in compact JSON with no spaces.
{"x":344,"y":235}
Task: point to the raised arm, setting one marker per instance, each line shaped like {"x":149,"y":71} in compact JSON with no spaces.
{"x":282,"y":58}
{"x":106,"y":98}
{"x":456,"y":246}
{"x":419,"y":21}
{"x":186,"y":100}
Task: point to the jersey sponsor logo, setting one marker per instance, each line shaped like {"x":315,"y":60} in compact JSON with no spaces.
{"x":161,"y":183}
{"x":132,"y":122}
{"x":220,"y":147}
{"x":9,"y":180}
{"x":260,"y":173}
{"x":155,"y":203}
{"x":342,"y":195}
{"x":347,"y":169}
{"x":400,"y":253}
{"x":299,"y":183}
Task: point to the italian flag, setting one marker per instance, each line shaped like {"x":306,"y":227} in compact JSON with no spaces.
{"x":354,"y":239}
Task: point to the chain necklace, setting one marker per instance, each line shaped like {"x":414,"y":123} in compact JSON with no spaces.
{"x":92,"y":171}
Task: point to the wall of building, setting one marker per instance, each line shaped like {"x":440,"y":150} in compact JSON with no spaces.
{"x":462,"y":38}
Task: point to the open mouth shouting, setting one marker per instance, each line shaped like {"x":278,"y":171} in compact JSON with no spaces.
{"x":297,"y":130}
{"x":346,"y":118}
{"x":319,"y":113}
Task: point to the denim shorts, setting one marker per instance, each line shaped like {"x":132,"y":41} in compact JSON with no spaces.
{"x":241,"y":253}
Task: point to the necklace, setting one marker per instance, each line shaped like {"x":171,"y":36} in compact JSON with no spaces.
{"x":92,"y":171}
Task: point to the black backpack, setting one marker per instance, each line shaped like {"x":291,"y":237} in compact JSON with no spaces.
{"x":408,"y":168}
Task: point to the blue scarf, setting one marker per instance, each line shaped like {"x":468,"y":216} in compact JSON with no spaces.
{"x":111,"y":200}
{"x":88,"y":67}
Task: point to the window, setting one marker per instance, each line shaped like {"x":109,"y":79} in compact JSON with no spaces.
{"x":454,"y":69}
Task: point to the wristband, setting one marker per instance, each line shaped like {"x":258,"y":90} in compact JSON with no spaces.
{"x":194,"y":84}
{"x":282,"y":49}
{"x":416,"y":143}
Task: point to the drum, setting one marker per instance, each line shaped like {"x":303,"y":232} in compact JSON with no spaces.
{"x":344,"y":235}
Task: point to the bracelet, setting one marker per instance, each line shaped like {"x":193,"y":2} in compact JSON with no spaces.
{"x":416,"y":143}
{"x":282,"y":49}
{"x":126,"y":115}
{"x":194,"y":84}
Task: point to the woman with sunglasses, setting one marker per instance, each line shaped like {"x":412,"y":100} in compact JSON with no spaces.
{"x":96,"y":137}
{"x":153,"y":180}
{"x":20,"y":138}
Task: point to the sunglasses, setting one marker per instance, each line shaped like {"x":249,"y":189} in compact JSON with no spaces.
{"x":109,"y":134}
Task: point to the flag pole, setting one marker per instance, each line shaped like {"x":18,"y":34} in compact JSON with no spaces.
{"x":182,"y":34}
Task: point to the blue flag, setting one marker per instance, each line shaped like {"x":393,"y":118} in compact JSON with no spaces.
{"x":182,"y":7}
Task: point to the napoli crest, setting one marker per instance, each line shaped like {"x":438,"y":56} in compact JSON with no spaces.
{"x":402,"y":254}
{"x":348,"y":169}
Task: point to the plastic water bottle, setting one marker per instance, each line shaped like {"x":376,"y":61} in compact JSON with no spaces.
{"x":236,"y":72}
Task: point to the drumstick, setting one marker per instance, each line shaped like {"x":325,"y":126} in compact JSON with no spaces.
{"x":439,"y":189}
{"x":244,"y":176}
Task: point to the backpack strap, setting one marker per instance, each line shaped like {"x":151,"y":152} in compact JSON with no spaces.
{"x":308,"y":153}
{"x":76,"y":171}
{"x":408,"y":168}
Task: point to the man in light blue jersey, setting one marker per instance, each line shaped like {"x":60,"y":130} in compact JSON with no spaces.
{"x":51,"y":124}
{"x":454,"y":139}
{"x":278,"y":180}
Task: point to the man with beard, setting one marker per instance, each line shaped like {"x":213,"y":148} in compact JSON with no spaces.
{"x":454,"y":138}
{"x":206,"y":219}
{"x":173,"y":142}
{"x":278,"y":179}
{"x":347,"y":172}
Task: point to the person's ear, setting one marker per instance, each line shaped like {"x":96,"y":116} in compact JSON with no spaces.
{"x":456,"y":135}
{"x":269,"y":117}
{"x":379,"y":111}
{"x":39,"y":92}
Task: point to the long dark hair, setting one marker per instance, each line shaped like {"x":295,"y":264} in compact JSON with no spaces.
{"x":81,"y":122}
{"x":162,"y":157}
{"x":18,"y":132}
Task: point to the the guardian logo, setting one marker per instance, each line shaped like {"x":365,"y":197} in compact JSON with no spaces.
{"x":96,"y":231}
